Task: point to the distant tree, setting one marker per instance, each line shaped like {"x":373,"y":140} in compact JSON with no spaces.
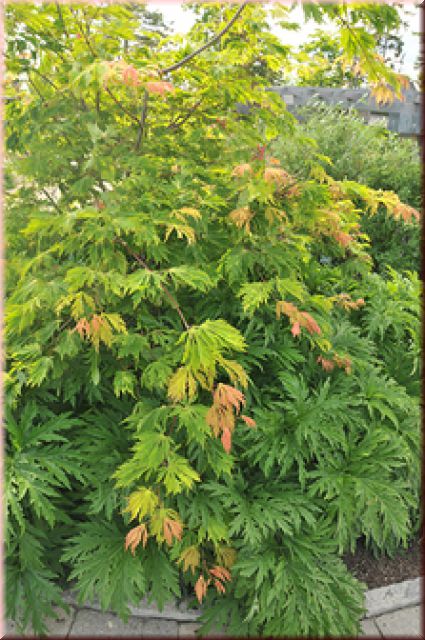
{"x":329,"y":59}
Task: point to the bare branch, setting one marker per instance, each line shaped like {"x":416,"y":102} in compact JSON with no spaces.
{"x":216,"y":38}
{"x":142,"y":120}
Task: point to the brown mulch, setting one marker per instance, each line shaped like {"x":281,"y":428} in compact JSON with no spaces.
{"x":381,"y":571}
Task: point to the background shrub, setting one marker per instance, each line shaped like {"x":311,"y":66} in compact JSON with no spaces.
{"x":373,"y":156}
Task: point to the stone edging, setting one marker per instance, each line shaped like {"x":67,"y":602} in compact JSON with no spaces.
{"x":378,"y":601}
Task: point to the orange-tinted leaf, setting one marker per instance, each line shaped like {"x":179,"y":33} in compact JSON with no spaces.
{"x":296,"y":329}
{"x":226,"y":395}
{"x":130,"y":76}
{"x":160,"y":87}
{"x":327,"y":365}
{"x":226,"y":439}
{"x":241,"y":169}
{"x":219,"y":586}
{"x":293,"y":191}
{"x":310,"y":323}
{"x":221,"y":573}
{"x":135,"y":536}
{"x":241,"y":218}
{"x":249,"y":421}
{"x":287,"y":308}
{"x":278,"y":176}
{"x":95,"y":323}
{"x":213,"y":420}
{"x":343,"y":238}
{"x":172,"y":529}
{"x":201,"y":588}
{"x":82,"y":327}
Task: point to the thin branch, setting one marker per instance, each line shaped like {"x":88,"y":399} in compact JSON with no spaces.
{"x":44,"y":78}
{"x":120,"y":104}
{"x":46,"y":193}
{"x":216,"y":38}
{"x":60,"y":14}
{"x":94,"y":54}
{"x":34,"y":86}
{"x":178,"y":123}
{"x":143,"y":264}
{"x":142,"y":120}
{"x":84,"y":34}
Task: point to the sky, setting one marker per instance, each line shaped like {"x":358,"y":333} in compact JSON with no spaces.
{"x":183,"y":20}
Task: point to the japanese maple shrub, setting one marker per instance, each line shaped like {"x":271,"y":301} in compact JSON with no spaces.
{"x":196,"y":404}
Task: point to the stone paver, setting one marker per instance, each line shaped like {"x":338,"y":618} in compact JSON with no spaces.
{"x":405,"y":623}
{"x":394,"y":596}
{"x":88,"y":622}
{"x":179,"y":613}
{"x":188,"y":629}
{"x":93,"y":623}
{"x":58,"y":627}
{"x":369,"y":629}
{"x":160,"y":628}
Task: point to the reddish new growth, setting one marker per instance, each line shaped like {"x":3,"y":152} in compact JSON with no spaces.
{"x":135,"y":536}
{"x":343,"y":362}
{"x":172,"y":529}
{"x":342,"y":238}
{"x":159,"y":87}
{"x":406,"y":212}
{"x":227,"y":403}
{"x":130,"y":76}
{"x":279,"y":177}
{"x":218,"y":576}
{"x":345,"y":301}
{"x":330,"y":226}
{"x":241,"y":169}
{"x":298,"y":319}
{"x":327,"y":365}
{"x":90,"y":329}
{"x":259,"y":153}
{"x":118,"y":71}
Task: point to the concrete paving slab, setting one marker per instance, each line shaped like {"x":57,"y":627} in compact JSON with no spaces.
{"x":405,"y":623}
{"x":58,"y":627}
{"x":392,"y":597}
{"x":160,"y":628}
{"x":369,"y":629}
{"x":188,"y":629}
{"x":180,"y":613}
{"x":95,"y":624}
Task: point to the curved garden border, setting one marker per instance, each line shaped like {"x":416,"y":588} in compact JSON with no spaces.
{"x":378,"y":601}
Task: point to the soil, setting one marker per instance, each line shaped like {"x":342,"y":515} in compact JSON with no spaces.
{"x":381,"y":571}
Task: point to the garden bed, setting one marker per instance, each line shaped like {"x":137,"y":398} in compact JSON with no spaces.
{"x":382,"y":571}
